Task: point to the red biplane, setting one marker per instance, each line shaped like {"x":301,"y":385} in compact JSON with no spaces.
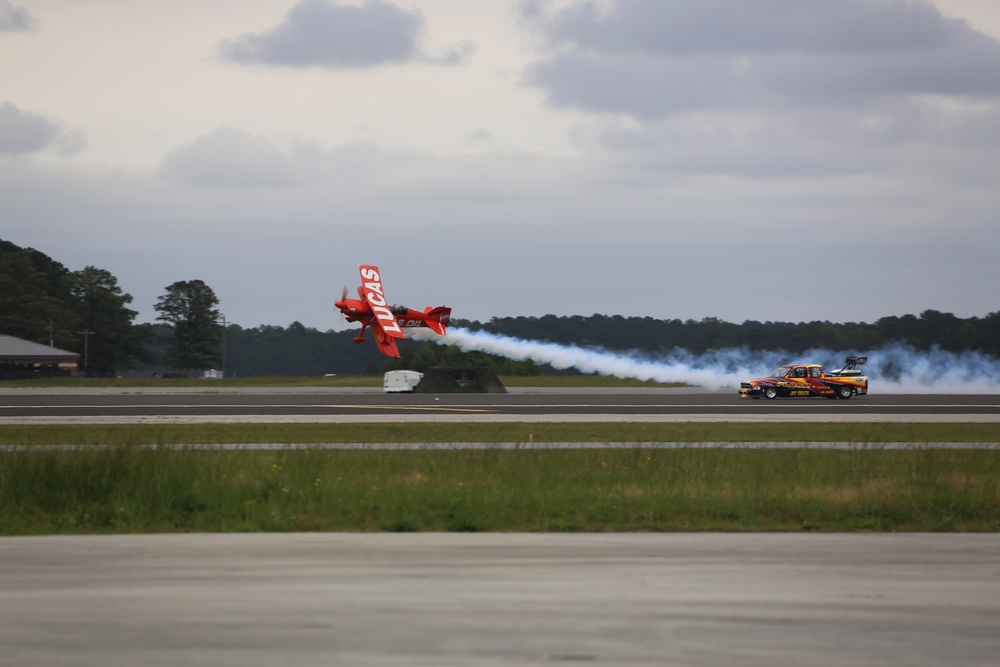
{"x":387,"y":322}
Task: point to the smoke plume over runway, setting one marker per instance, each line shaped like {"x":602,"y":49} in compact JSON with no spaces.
{"x":898,"y":369}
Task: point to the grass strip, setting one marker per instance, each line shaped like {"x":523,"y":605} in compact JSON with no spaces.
{"x":197,"y":383}
{"x":516,"y":432}
{"x":337,"y":381}
{"x":141,"y":490}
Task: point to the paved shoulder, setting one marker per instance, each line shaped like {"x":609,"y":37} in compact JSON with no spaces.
{"x":500,"y":599}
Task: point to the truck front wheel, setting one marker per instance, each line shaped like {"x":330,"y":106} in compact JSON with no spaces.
{"x":770,"y":392}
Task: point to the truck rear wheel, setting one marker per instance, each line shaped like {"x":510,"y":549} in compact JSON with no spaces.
{"x":845,"y":392}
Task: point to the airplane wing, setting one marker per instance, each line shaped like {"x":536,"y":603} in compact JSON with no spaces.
{"x":384,"y":324}
{"x":386,"y":344}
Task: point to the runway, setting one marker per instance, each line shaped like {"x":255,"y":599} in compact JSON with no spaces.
{"x":430,"y":599}
{"x":54,"y":406}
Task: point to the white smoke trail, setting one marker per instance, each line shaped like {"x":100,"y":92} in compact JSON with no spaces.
{"x":893,"y":369}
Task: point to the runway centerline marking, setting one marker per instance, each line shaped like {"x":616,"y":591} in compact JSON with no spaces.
{"x":189,"y":406}
{"x":416,"y":408}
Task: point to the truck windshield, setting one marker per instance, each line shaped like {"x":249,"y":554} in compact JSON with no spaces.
{"x":781,"y":372}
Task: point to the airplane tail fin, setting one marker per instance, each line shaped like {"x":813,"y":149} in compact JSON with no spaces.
{"x":438,"y":318}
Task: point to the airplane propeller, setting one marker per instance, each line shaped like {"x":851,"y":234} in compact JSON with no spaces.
{"x":340,"y":304}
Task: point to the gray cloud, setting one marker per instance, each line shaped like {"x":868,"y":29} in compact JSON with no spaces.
{"x":457,"y":54}
{"x":16,"y":19}
{"x":325,"y":34}
{"x":23,"y":132}
{"x":653,"y":58}
{"x":697,"y":158}
{"x":740,"y":27}
{"x":230,"y":157}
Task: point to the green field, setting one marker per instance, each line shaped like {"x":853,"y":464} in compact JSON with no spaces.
{"x":146,"y":478}
{"x":165,"y":489}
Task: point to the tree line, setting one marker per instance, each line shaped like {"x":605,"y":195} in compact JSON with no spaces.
{"x":43,"y":301}
{"x":930,"y":329}
{"x":301,"y":350}
{"x":87,"y":312}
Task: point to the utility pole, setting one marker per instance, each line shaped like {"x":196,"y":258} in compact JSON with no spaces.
{"x":86,"y":339}
{"x":223,"y":318}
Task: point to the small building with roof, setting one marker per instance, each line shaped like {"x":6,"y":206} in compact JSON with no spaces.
{"x":21,"y":358}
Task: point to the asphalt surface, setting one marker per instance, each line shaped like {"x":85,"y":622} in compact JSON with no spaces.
{"x":501,"y":599}
{"x":56,"y":406}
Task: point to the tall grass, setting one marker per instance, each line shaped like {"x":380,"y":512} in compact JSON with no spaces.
{"x":163,"y":489}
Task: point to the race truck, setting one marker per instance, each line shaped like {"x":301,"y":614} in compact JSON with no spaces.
{"x":809,"y":380}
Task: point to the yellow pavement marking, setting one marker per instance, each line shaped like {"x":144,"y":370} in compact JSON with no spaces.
{"x":428,"y":408}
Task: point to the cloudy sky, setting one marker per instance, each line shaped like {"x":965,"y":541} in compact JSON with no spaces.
{"x":743,"y":159}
